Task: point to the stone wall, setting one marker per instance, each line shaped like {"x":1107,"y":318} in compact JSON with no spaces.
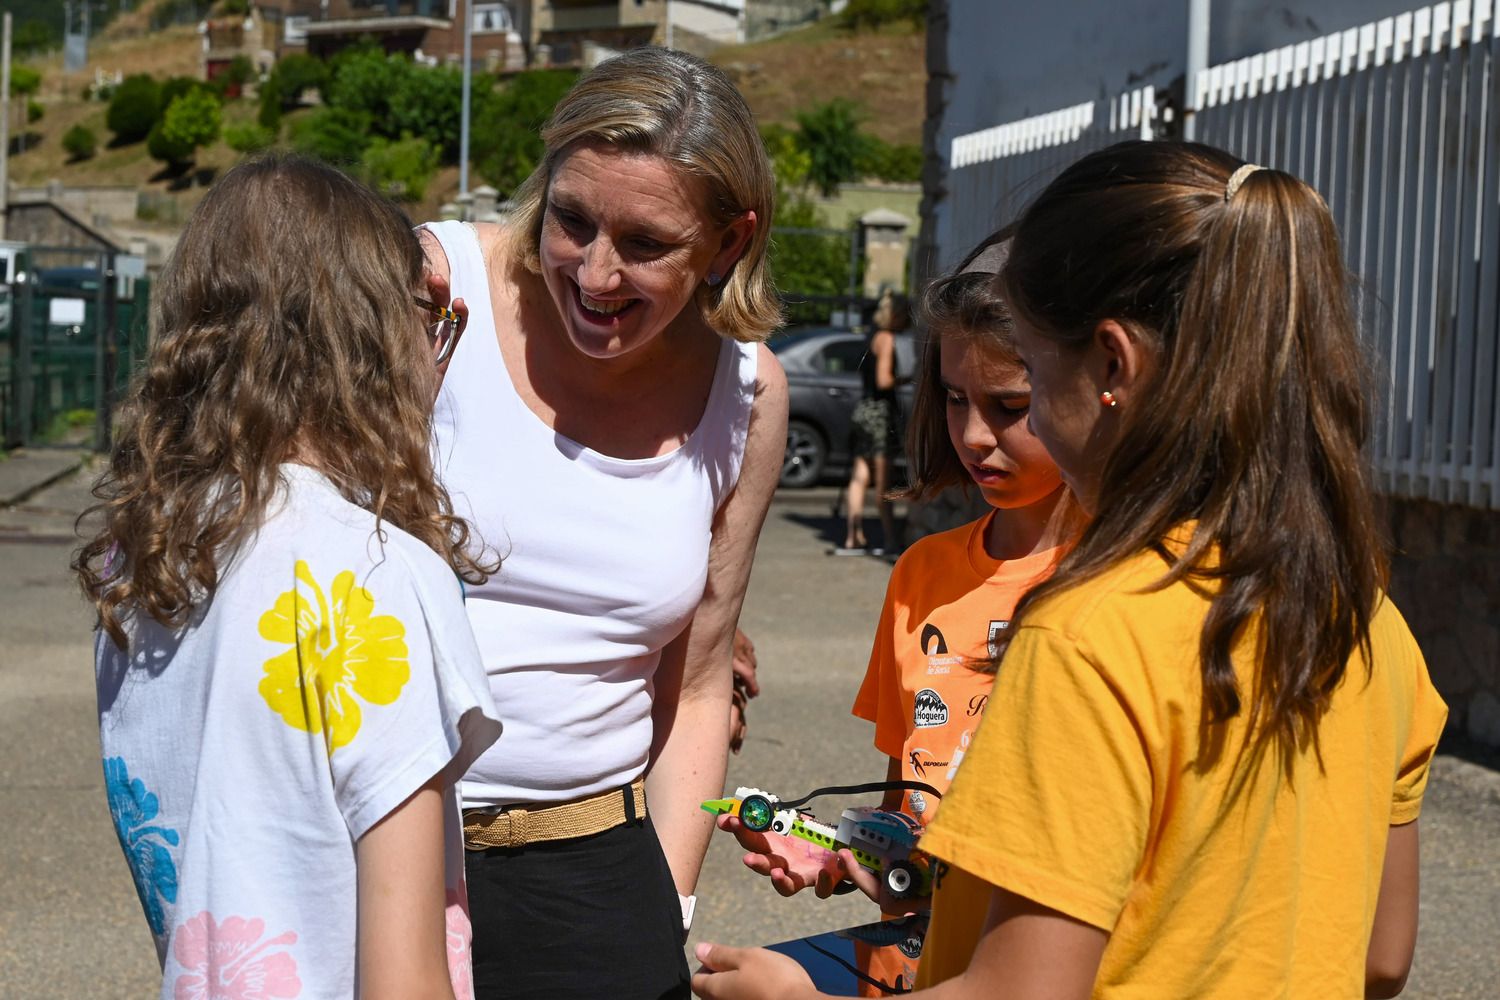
{"x":1445,"y":578}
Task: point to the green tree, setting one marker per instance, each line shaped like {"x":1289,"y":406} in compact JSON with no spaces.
{"x":80,"y":142}
{"x":876,"y":13}
{"x":899,"y":162}
{"x":249,"y":137}
{"x":334,"y":135}
{"x":32,"y":36}
{"x":428,"y":102}
{"x":401,"y":168}
{"x":134,"y":108}
{"x":239,"y":72}
{"x":24,"y":82}
{"x":364,"y":78}
{"x":192,"y":120}
{"x":812,"y":264}
{"x":296,"y":74}
{"x":507,"y":145}
{"x":830,"y":135}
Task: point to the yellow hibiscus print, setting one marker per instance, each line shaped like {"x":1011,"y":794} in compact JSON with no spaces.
{"x":339,"y":650}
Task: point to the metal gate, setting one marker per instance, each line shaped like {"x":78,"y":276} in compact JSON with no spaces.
{"x":1395,"y":123}
{"x":819,"y":274}
{"x":77,"y":325}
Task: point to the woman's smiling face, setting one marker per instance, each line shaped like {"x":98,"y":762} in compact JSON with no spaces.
{"x":625,"y":245}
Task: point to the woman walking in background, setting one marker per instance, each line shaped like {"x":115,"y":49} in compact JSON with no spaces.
{"x":875,"y":437}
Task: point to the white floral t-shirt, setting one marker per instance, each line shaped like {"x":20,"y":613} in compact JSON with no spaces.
{"x":331,"y":676}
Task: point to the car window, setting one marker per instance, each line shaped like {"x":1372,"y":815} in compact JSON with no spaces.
{"x":842,"y":357}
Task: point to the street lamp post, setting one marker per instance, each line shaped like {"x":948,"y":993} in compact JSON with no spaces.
{"x":463,"y":121}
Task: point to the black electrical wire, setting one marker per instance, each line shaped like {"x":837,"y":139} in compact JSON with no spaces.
{"x":872,"y":786}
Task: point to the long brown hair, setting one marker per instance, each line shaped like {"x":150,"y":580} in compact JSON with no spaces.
{"x":965,"y":305}
{"x":283,"y":327}
{"x":1252,"y":425}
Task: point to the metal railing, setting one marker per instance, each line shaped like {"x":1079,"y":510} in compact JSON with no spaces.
{"x":1396,"y":124}
{"x":994,"y":172}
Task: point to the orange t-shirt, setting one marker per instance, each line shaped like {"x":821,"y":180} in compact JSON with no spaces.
{"x":946,"y":604}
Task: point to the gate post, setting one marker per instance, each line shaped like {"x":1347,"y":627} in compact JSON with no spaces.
{"x":25,"y":394}
{"x":104,"y":394}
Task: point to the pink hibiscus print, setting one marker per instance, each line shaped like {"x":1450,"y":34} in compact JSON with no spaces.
{"x":229,"y":961}
{"x":460,"y":934}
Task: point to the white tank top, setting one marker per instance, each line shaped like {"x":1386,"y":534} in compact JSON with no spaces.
{"x":605,"y":559}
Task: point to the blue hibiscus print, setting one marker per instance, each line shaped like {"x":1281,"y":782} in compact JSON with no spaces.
{"x":145,"y":846}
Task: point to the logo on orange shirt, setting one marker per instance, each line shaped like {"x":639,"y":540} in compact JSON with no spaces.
{"x":993,"y":643}
{"x":929,"y":709}
{"x":930,"y":632}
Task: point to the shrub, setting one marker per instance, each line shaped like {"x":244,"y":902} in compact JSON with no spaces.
{"x":296,"y":74}
{"x":32,"y":36}
{"x":899,"y":162}
{"x":249,"y":137}
{"x":134,"y":108}
{"x":177,"y":86}
{"x":334,"y":135}
{"x":428,"y":102}
{"x":34,"y":111}
{"x":24,"y":80}
{"x":401,"y":168}
{"x":807,"y":264}
{"x":875,"y":13}
{"x":191,"y":120}
{"x":830,"y":135}
{"x":168,"y":149}
{"x":506,"y":146}
{"x":239,"y":72}
{"x":80,"y":142}
{"x":364,"y":78}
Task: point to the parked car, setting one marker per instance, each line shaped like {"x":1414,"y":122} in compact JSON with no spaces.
{"x":822,"y":374}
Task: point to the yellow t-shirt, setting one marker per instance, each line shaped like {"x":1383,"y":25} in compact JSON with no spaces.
{"x":1085,"y":791}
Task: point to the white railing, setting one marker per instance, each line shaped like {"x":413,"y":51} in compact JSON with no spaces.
{"x":1395,"y":123}
{"x":992,"y":172}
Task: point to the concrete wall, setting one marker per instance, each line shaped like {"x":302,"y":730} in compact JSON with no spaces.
{"x":1445,"y":579}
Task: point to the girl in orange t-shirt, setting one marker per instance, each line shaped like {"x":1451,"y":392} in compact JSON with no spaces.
{"x":950,"y":595}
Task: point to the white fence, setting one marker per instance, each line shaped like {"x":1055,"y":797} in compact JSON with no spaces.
{"x":994,"y":173}
{"x":1396,"y":124}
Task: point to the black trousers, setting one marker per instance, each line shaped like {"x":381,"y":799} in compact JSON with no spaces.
{"x":577,"y":919}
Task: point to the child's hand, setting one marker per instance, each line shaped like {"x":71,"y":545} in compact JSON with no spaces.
{"x":873,"y":886}
{"x":792,"y":864}
{"x":749,"y":974}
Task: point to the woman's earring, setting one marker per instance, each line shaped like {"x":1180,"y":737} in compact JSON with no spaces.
{"x":714,"y":278}
{"x":1108,"y":399}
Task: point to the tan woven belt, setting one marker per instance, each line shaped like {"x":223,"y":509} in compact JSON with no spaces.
{"x":517,"y":827}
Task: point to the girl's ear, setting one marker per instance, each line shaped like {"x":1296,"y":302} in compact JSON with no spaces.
{"x":1119,"y":359}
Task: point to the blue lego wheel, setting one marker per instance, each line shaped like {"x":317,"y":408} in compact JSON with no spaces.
{"x":756,"y":812}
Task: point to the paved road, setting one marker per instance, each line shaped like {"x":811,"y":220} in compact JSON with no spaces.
{"x":70,"y":926}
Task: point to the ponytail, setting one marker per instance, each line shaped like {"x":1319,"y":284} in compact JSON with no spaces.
{"x":1253,"y":424}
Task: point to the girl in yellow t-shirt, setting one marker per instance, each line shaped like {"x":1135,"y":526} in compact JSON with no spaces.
{"x":951,"y":594}
{"x":1206,"y":747}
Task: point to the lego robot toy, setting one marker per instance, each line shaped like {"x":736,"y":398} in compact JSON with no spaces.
{"x":883,"y":841}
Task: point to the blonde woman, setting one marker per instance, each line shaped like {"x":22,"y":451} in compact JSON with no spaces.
{"x":613,"y":428}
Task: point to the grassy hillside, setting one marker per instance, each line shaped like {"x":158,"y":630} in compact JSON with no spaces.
{"x":882,"y":71}
{"x":885,"y":72}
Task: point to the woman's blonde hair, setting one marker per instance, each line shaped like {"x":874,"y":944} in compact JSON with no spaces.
{"x":283,"y":328}
{"x":676,"y":106}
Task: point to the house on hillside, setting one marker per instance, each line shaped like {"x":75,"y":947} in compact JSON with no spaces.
{"x":1386,"y":108}
{"x":432,"y":30}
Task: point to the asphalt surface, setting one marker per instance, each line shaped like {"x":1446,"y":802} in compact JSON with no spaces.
{"x":70,"y":926}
